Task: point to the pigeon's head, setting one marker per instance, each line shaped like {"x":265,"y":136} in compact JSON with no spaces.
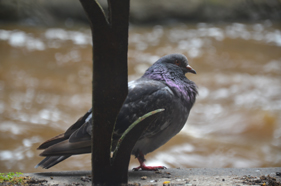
{"x":177,"y":61}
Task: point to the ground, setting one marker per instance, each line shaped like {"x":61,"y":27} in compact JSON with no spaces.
{"x":177,"y":176}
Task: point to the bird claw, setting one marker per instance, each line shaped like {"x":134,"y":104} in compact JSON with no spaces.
{"x":149,"y":168}
{"x":142,"y":166}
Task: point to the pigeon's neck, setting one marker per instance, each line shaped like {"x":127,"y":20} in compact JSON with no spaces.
{"x":183,"y":88}
{"x":177,"y":82}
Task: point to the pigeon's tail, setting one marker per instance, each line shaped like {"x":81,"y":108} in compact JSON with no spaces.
{"x":50,"y":161}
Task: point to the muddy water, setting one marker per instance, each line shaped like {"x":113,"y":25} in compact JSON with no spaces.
{"x":45,"y":86}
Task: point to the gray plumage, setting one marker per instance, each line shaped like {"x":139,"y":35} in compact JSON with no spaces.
{"x":164,"y":85}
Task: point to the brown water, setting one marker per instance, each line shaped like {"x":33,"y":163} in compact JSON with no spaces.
{"x":45,"y":86}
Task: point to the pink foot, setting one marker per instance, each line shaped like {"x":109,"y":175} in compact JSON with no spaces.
{"x":142,"y":166}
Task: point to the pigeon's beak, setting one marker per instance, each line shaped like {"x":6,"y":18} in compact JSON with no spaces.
{"x":190,"y":69}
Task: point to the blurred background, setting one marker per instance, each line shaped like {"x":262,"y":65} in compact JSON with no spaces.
{"x":235,"y":47}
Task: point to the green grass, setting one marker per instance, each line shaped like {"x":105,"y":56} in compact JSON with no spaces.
{"x":11,"y":177}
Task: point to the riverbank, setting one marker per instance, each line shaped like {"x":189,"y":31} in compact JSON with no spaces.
{"x":178,"y":176}
{"x":53,"y":12}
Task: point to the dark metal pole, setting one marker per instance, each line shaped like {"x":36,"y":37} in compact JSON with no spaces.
{"x":110,"y":84}
{"x":110,"y":88}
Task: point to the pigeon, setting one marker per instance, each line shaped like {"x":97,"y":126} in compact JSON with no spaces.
{"x":163,"y":86}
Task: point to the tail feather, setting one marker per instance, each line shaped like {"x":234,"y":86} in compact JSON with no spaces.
{"x":50,"y":161}
{"x":59,"y":147}
{"x":52,"y":141}
{"x":64,"y":136}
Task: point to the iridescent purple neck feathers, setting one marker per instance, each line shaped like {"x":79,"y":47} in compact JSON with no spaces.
{"x":175,"y":79}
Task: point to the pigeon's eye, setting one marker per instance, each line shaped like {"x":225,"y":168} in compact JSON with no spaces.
{"x":177,"y":62}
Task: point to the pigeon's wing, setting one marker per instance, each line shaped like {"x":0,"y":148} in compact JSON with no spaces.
{"x":145,"y":96}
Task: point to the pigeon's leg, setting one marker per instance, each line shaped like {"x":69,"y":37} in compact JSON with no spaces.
{"x":142,"y":166}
